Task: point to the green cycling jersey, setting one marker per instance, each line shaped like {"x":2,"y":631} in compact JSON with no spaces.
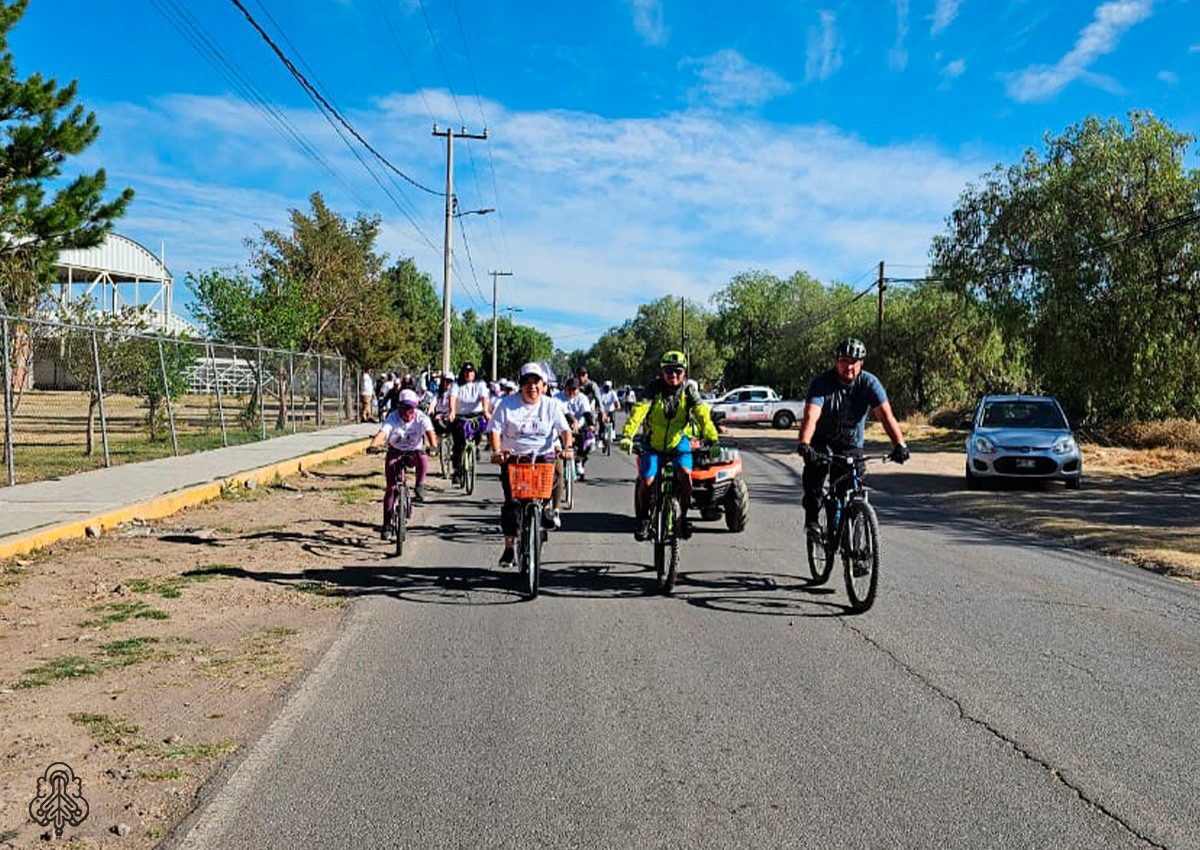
{"x":670,"y":414}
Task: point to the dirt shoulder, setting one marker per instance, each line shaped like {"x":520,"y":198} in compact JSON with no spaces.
{"x":145,"y":658}
{"x":1142,"y":506}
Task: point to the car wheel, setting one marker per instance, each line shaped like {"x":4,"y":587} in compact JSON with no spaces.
{"x":973,"y":481}
{"x":784,"y":420}
{"x":1073,"y":483}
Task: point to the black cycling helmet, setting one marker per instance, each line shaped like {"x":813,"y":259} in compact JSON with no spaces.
{"x":465,"y":368}
{"x":850,"y":347}
{"x":581,"y":370}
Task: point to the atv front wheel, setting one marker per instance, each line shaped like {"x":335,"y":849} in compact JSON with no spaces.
{"x":737,"y":505}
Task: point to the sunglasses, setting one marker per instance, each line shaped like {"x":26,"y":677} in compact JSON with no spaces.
{"x":531,"y":379}
{"x":672,"y":370}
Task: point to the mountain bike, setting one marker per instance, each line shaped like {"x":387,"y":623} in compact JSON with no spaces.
{"x":848,"y":525}
{"x":531,"y":482}
{"x":472,"y":431}
{"x":445,"y":454}
{"x":664,"y":520}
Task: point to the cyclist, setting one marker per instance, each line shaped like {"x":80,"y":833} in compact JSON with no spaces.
{"x":667,"y":407}
{"x":526,"y":423}
{"x":439,"y":408}
{"x":404,"y":430}
{"x":835,"y":412}
{"x":580,"y":416}
{"x":589,"y":390}
{"x":469,"y":402}
{"x":610,"y":402}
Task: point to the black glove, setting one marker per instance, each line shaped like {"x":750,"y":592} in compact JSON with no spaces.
{"x":900,"y":454}
{"x":806,"y":451}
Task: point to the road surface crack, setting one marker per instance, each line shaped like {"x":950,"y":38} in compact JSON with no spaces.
{"x":1012,"y":743}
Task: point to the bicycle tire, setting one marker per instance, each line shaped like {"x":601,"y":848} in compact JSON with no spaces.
{"x":469,"y":469}
{"x":860,"y":555}
{"x":568,"y":499}
{"x":531,"y":550}
{"x":400,"y":518}
{"x":666,"y":546}
{"x":445,"y":458}
{"x":820,"y":553}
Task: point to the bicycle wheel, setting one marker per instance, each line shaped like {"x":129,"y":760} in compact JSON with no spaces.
{"x":608,"y":438}
{"x":445,"y":458}
{"x":860,"y":555}
{"x":666,"y":546}
{"x":531,"y":549}
{"x":568,"y":499}
{"x":820,"y":553}
{"x":400,"y":517}
{"x":469,"y":468}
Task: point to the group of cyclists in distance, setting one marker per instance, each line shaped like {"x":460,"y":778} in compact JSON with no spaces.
{"x":524,"y":421}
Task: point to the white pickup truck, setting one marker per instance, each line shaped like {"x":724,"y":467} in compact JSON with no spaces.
{"x":748,"y":405}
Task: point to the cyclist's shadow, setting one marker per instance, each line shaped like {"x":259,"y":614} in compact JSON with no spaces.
{"x":764,"y":594}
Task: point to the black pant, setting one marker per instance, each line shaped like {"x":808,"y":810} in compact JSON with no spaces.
{"x":814,"y":476}
{"x":460,"y":438}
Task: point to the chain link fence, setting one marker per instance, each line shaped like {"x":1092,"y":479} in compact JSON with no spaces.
{"x":80,"y":397}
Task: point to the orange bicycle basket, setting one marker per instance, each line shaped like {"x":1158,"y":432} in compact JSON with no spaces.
{"x":531,"y":480}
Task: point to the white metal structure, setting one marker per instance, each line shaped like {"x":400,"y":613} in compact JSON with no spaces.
{"x":126,"y":273}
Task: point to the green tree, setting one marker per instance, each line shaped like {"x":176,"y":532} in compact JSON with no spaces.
{"x":1077,"y":250}
{"x":42,"y":127}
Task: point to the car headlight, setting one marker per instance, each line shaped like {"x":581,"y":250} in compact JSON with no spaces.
{"x":1063,"y":445}
{"x":984,"y":446}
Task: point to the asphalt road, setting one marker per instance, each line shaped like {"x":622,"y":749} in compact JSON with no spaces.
{"x":1001,"y":693}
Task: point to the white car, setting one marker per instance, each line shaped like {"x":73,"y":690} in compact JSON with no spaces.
{"x":750,"y":405}
{"x":1022,"y":436}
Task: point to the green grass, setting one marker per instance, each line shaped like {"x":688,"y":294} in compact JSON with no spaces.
{"x":63,"y":667}
{"x":201,"y":751}
{"x":120,"y":612}
{"x":105,"y":729}
{"x":122,"y":653}
{"x":319,"y":588}
{"x":171,"y":588}
{"x":354,"y":495}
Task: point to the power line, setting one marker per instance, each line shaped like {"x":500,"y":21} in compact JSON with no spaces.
{"x":313,"y":92}
{"x":462,"y":229}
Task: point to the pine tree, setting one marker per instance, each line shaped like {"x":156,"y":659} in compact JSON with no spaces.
{"x":41,"y":125}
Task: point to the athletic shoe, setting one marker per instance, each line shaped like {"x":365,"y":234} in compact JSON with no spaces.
{"x":641,"y":531}
{"x":685,"y":528}
{"x":508,"y":558}
{"x":385,"y":533}
{"x":550,"y":518}
{"x":419,"y":493}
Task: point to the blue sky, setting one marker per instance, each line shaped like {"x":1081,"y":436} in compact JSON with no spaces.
{"x":638,"y":147}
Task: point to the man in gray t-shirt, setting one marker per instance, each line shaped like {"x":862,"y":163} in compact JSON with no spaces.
{"x":835,"y":413}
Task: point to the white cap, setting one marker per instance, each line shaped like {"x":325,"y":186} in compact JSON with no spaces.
{"x":409,"y":397}
{"x":533,"y":369}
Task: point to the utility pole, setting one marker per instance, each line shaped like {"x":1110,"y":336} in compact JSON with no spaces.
{"x":495,"y":332}
{"x":682,"y":334}
{"x":879,"y":319}
{"x":449,"y":134}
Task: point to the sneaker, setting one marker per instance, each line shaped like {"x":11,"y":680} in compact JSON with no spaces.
{"x":509,"y":557}
{"x":641,"y":531}
{"x":550,"y":519}
{"x":419,"y":493}
{"x":582,"y":473}
{"x":685,"y":528}
{"x":385,"y":533}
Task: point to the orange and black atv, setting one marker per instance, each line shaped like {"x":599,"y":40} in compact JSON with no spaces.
{"x":718,"y":488}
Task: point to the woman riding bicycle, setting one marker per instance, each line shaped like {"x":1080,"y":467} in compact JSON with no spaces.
{"x":667,"y":408}
{"x":525,"y":425}
{"x":581,"y":417}
{"x":469,"y":405}
{"x":404,"y":430}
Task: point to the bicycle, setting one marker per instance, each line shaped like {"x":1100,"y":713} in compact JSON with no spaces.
{"x":472,"y":431}
{"x":847,"y":525}
{"x":401,"y":508}
{"x":664,"y":520}
{"x":531,"y":482}
{"x":445,"y":453}
{"x":607,"y":435}
{"x":570,"y":475}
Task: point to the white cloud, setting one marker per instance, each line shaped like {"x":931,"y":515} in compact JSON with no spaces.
{"x":943,"y":15}
{"x":729,"y":79}
{"x":1168,"y":77}
{"x":1100,"y":37}
{"x":898,"y":55}
{"x":824,"y":48}
{"x":631,"y":208}
{"x":955,"y":69}
{"x":648,"y":21}
{"x":1195,"y":48}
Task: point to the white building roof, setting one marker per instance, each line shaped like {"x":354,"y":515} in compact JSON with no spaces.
{"x":120,"y":257}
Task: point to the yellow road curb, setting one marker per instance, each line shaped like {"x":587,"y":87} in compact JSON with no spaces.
{"x":170,"y":503}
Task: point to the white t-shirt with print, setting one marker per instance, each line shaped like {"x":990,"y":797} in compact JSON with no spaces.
{"x":441,"y":403}
{"x":470,"y":397}
{"x":528,"y":428}
{"x":368,"y":384}
{"x":578,"y":407}
{"x":609,"y":400}
{"x":406,"y":436}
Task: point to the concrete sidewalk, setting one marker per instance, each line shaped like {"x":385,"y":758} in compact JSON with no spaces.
{"x":35,"y":511}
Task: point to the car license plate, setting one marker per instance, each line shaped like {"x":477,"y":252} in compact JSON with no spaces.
{"x":1025,"y":463}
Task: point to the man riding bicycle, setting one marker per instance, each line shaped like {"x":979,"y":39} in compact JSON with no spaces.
{"x":469,"y":405}
{"x":667,"y":408}
{"x":526,"y":424}
{"x":404,"y":430}
{"x":581,"y":417}
{"x":835,"y":413}
{"x":589,"y":390}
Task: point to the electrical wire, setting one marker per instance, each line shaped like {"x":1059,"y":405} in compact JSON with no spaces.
{"x":462,"y":228}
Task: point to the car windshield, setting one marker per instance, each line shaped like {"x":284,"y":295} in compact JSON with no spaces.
{"x":1022,"y":414}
